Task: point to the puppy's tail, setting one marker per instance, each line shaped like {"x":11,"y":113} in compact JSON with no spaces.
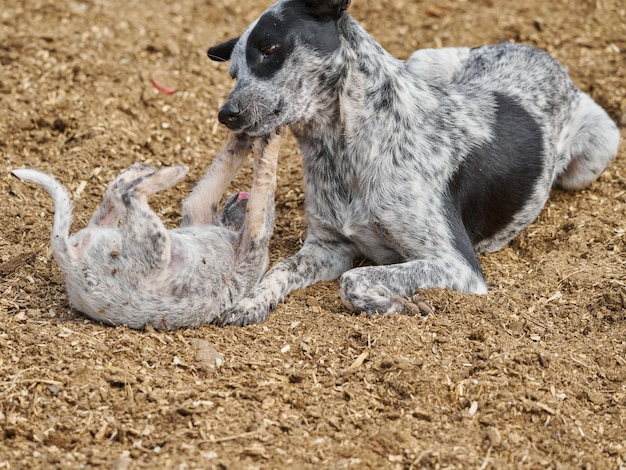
{"x":62,"y":213}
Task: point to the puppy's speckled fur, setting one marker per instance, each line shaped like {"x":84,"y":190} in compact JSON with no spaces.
{"x":417,"y":165}
{"x":126,"y":268}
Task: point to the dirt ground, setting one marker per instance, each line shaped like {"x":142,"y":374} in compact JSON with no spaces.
{"x":532,"y":375}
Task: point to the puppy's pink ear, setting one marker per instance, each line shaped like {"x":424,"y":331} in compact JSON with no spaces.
{"x":222,"y":52}
{"x":327,"y":9}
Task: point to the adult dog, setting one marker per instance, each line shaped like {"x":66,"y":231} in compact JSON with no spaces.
{"x":125,"y":268}
{"x":417,"y":166}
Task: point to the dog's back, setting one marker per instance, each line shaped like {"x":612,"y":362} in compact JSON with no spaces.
{"x":545,"y":131}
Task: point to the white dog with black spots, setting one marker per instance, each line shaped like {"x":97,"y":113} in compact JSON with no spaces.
{"x":417,"y":165}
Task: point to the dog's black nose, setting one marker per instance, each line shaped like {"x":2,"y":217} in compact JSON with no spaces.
{"x":229,"y":115}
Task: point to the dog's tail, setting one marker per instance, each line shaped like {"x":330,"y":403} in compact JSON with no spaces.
{"x":60,"y":239}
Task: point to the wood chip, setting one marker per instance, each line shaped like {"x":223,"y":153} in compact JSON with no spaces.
{"x":358,"y":362}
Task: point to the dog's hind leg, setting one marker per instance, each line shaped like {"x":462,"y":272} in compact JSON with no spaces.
{"x":588,"y":143}
{"x":438,"y":65}
{"x":201,"y":207}
{"x":380,"y":289}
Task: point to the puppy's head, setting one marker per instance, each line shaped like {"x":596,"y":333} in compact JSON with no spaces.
{"x":280,"y":62}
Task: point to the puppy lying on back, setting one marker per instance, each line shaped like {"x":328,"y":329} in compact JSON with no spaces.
{"x":126,"y":268}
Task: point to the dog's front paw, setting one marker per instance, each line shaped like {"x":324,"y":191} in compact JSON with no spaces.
{"x":417,"y":306}
{"x":247,"y":312}
{"x":359,"y":293}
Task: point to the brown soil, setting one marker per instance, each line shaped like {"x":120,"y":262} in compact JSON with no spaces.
{"x":532,"y":375}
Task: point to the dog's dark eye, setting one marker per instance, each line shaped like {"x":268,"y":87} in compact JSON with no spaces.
{"x":267,"y":51}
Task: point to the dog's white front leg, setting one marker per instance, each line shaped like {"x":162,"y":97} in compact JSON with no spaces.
{"x":316,"y":261}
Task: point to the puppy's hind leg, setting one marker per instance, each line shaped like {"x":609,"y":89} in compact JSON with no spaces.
{"x":588,"y":143}
{"x":145,"y":236}
{"x":111,"y":211}
{"x":145,"y":186}
{"x":201,"y":205}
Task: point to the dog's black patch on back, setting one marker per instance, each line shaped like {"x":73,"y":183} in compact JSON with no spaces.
{"x":495,"y":180}
{"x":293,"y":24}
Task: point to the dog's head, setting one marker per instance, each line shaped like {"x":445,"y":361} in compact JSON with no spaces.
{"x":279,"y":62}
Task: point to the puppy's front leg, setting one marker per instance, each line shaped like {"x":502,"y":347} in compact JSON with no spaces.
{"x":259,"y":221}
{"x":317,"y":260}
{"x":201,"y":205}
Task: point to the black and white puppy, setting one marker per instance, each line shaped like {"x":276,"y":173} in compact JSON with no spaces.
{"x":417,"y":165}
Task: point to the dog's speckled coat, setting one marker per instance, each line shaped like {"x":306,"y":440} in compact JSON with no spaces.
{"x":418,"y":166}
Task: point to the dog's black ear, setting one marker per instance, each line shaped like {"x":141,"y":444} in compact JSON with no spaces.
{"x":327,"y":9}
{"x":222,"y":52}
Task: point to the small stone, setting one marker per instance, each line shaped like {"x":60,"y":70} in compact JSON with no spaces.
{"x":422,"y":414}
{"x":595,"y":397}
{"x":121,"y":463}
{"x":205,"y":354}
